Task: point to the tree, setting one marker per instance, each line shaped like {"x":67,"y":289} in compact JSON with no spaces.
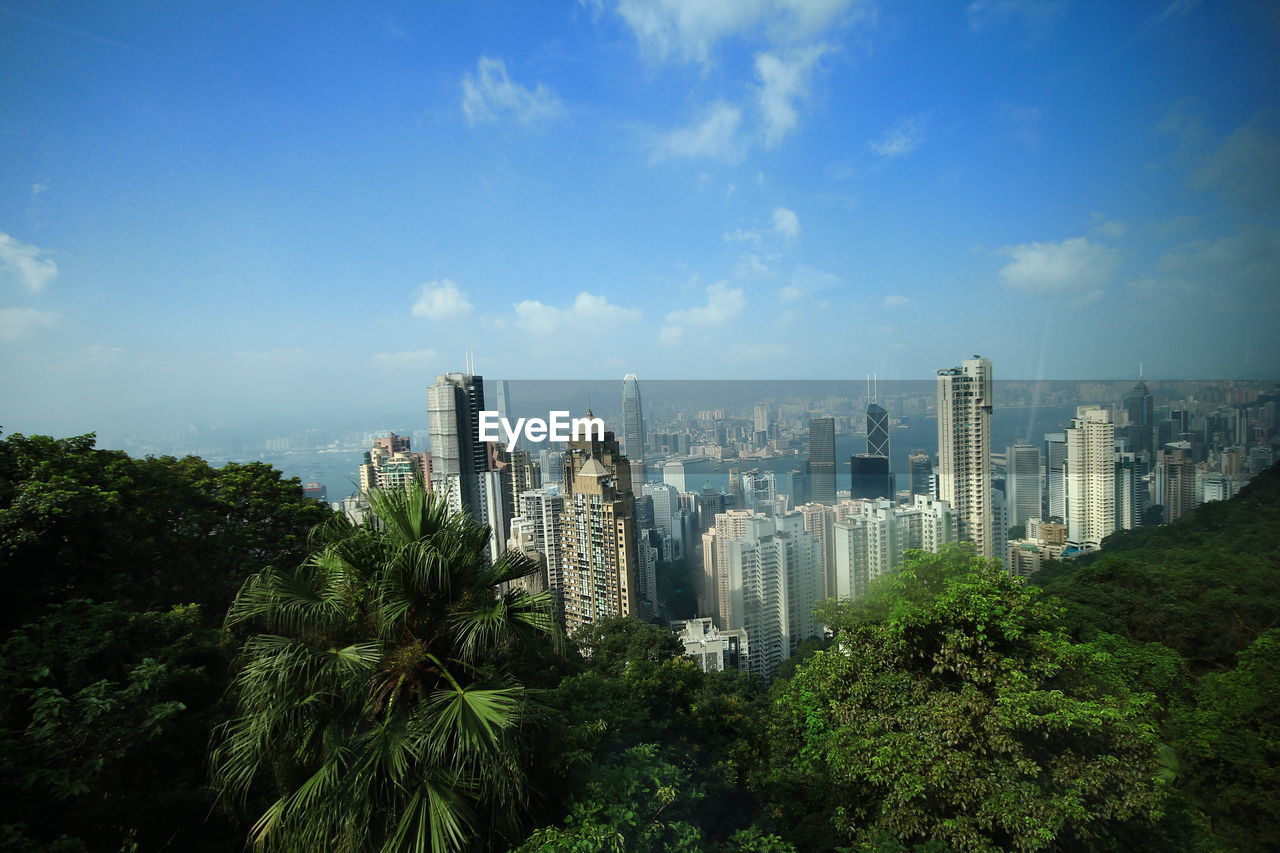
{"x":613,"y":643}
{"x":80,"y":522}
{"x":1205,"y":586}
{"x":103,"y":717}
{"x":952,"y":708}
{"x":1229,"y":742}
{"x":377,"y":698}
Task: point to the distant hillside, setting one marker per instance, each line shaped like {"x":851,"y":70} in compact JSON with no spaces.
{"x":1206,"y":585}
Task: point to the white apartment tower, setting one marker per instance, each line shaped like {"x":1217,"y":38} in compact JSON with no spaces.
{"x":964,"y":450}
{"x":1090,"y":476}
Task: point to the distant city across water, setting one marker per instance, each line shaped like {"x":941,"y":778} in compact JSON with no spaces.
{"x":337,"y":470}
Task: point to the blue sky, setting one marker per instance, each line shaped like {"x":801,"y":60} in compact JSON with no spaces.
{"x":224,"y":211}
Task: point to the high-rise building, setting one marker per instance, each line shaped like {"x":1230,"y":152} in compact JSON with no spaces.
{"x":1139,"y":408}
{"x":870,"y":477}
{"x":871,"y":541}
{"x":497,"y":507}
{"x":798,"y":485}
{"x":599,"y":564}
{"x":542,"y":510}
{"x":389,"y":463}
{"x":633,"y":436}
{"x":819,"y":520}
{"x":526,"y":474}
{"x":709,"y":504}
{"x":921,"y":466}
{"x":964,"y":450}
{"x":771,"y":571}
{"x":1055,"y":455}
{"x":1131,"y":490}
{"x":822,"y":460}
{"x":1023,"y":493}
{"x":726,"y":526}
{"x":665,"y":505}
{"x":758,"y":489}
{"x":1176,"y":471}
{"x":458,"y":456}
{"x":877,"y":430}
{"x":1091,"y":478}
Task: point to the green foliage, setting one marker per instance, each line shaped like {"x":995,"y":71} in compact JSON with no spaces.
{"x":1229,"y":745}
{"x":641,"y":803}
{"x":613,"y":643}
{"x":1205,"y":586}
{"x":375,"y":697}
{"x":102,"y":712}
{"x":151,"y":532}
{"x":952,"y":708}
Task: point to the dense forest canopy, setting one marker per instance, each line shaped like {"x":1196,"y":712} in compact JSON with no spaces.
{"x":197,"y":659}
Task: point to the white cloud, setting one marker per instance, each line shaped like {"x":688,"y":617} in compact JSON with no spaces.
{"x":786,"y":223}
{"x":896,"y":301}
{"x":588,"y":312}
{"x":784,"y":81}
{"x":1238,"y":270}
{"x":689,"y":30}
{"x":438,"y":300}
{"x":17,"y":323}
{"x":713,"y":135}
{"x":724,"y":303}
{"x":490,"y":95}
{"x":1073,"y":267}
{"x":1245,"y":167}
{"x":1033,"y":17}
{"x":783,"y":224}
{"x":807,"y":280}
{"x":902,"y":138}
{"x":20,"y":261}
{"x":419,"y":359}
{"x":752,"y":266}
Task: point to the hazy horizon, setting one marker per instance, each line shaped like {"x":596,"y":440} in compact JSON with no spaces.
{"x":223,"y":215}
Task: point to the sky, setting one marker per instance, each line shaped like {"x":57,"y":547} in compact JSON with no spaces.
{"x":218,"y":212}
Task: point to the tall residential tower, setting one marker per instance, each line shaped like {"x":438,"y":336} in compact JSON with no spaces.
{"x":964,"y":450}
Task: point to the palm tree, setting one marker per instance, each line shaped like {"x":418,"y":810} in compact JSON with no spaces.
{"x":378,"y":695}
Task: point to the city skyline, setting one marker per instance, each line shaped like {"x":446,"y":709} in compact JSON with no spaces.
{"x":216,"y":218}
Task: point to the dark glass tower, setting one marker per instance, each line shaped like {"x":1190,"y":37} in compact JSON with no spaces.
{"x":822,"y":460}
{"x":871,"y":477}
{"x":921,"y":473}
{"x":877,"y":431}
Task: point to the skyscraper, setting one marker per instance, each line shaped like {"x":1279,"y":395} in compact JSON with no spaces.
{"x":921,"y":465}
{"x":1139,"y":408}
{"x":822,"y":460}
{"x":1023,"y":492}
{"x":964,"y":450}
{"x":458,"y":456}
{"x":877,"y":430}
{"x":870,"y":476}
{"x":1091,"y":477}
{"x":1176,"y":475}
{"x":633,"y":437}
{"x":599,"y":563}
{"x":1055,"y":455}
